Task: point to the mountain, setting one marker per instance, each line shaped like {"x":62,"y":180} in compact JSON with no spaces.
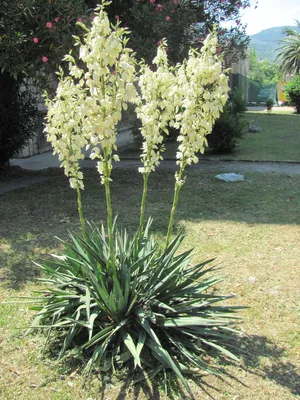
{"x":266,"y":42}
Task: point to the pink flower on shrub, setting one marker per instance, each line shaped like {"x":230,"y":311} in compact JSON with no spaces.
{"x":79,"y":20}
{"x":44,"y":59}
{"x":117,"y":17}
{"x":56,"y":19}
{"x":159,"y":8}
{"x":152,"y":1}
{"x":175,"y":2}
{"x":167,"y":18}
{"x":35,"y":40}
{"x":49,"y":25}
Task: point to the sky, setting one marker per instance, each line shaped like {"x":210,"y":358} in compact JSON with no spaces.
{"x":271,"y":13}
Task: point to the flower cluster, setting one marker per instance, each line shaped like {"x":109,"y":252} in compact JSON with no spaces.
{"x":155,"y":107}
{"x":64,"y":127}
{"x":109,"y":81}
{"x":202,"y":90}
{"x":189,"y":97}
{"x":88,"y":103}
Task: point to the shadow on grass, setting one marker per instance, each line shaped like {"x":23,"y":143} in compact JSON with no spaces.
{"x":284,"y":373}
{"x":265,"y":359}
{"x":259,"y":356}
{"x":149,"y":389}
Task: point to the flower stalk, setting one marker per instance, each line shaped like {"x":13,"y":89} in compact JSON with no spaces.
{"x":179,"y":182}
{"x":143,"y":202}
{"x":80,"y":212}
{"x":106,"y":179}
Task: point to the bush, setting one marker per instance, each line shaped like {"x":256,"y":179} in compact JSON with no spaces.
{"x":270,"y":103}
{"x":292,"y":89}
{"x":18,"y":115}
{"x":156,"y":312}
{"x":228,"y":129}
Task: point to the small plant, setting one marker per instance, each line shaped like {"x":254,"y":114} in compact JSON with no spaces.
{"x":292,"y":89}
{"x":270,"y":103}
{"x":115,"y":300}
{"x":229,"y":127}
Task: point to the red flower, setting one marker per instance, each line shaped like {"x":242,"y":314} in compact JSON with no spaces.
{"x":35,"y":40}
{"x":167,"y":18}
{"x":79,"y":20}
{"x":49,"y":25}
{"x":117,"y":17}
{"x":44,"y":59}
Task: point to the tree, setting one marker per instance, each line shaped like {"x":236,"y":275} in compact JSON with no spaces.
{"x":36,"y":34}
{"x":183,"y":23}
{"x":288,"y":58}
{"x":263,"y":71}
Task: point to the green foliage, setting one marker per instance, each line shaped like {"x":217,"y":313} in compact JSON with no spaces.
{"x":288,"y":57}
{"x":270,"y":103}
{"x":292,"y":89}
{"x":154,"y":311}
{"x":36,"y":34}
{"x":183,"y":23}
{"x":228,"y":129}
{"x":18,"y":117}
{"x":263,"y":71}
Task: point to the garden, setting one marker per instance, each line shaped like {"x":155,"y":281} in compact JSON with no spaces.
{"x":154,"y":282}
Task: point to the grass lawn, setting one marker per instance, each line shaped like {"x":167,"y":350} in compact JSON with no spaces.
{"x":278,"y":139}
{"x":252,"y":227}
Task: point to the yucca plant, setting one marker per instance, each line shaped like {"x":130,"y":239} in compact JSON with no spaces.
{"x":114,"y":300}
{"x":154,"y":311}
